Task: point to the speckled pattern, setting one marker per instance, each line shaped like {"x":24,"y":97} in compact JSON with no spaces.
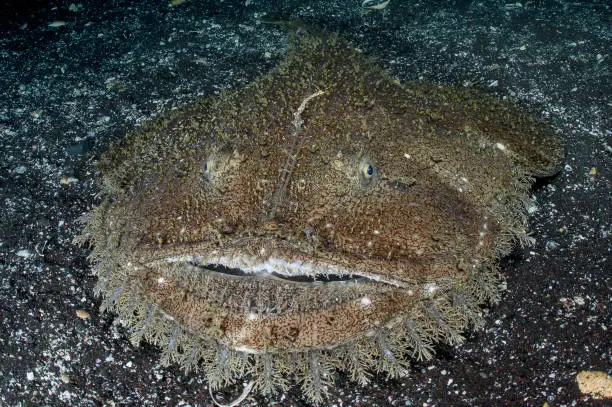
{"x":69,"y":89}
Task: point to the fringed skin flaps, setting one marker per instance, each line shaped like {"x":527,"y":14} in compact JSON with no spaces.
{"x":354,"y":149}
{"x":273,"y":371}
{"x":440,"y":316}
{"x":387,"y":350}
{"x":509,"y":211}
{"x":355,"y":363}
{"x":390,"y":347}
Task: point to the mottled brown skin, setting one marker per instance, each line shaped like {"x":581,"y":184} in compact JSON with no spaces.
{"x":414,"y":190}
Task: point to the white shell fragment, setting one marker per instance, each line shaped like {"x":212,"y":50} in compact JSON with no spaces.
{"x":375,"y":4}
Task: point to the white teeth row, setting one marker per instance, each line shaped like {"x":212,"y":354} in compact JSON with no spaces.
{"x":254,"y":265}
{"x":266,"y":266}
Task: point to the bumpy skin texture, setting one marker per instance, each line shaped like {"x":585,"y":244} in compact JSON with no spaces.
{"x":357,"y":220}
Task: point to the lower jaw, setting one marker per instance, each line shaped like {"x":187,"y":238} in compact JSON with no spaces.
{"x":265,"y":312}
{"x":240,"y":325}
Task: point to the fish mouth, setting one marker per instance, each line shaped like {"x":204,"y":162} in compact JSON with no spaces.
{"x":276,"y":268}
{"x":279,"y":259}
{"x":256,"y":306}
{"x":319,"y":278}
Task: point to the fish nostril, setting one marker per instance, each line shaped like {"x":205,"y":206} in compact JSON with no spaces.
{"x":270,"y":226}
{"x":227,"y":229}
{"x":403,"y":185}
{"x":307,"y":233}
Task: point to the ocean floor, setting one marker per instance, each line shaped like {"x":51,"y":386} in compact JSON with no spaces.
{"x":75,"y":76}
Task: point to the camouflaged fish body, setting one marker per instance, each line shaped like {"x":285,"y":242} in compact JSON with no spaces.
{"x":323,"y":217}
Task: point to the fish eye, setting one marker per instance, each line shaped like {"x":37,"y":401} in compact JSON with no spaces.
{"x":207,"y":168}
{"x":366,"y":171}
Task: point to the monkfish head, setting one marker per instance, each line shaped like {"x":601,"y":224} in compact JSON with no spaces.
{"x":324,"y":216}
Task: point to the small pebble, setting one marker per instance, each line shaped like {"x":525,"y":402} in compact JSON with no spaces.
{"x":68,"y":180}
{"x":551,"y":245}
{"x":64,"y":378}
{"x":82,"y":314}
{"x":25,"y":253}
{"x":596,"y":383}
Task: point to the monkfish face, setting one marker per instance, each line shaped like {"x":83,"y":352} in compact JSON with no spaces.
{"x":341,"y":209}
{"x":323,"y":217}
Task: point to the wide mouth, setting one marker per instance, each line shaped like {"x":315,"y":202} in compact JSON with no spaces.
{"x":296,"y":271}
{"x":257,"y":304}
{"x":295,"y":278}
{"x":280,"y":259}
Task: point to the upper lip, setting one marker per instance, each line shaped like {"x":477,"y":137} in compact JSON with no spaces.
{"x":275,"y":268}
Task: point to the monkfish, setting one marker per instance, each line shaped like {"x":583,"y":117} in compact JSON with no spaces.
{"x":325,"y":216}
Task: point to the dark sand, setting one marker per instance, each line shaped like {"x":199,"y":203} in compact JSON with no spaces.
{"x":67,"y":90}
